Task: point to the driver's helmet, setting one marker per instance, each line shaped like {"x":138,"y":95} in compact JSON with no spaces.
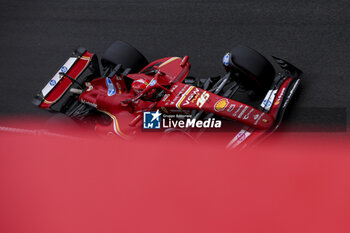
{"x":139,"y":85}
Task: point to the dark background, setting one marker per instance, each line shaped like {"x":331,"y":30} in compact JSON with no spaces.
{"x":36,"y":37}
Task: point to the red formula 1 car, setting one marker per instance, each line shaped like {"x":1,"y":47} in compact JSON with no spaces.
{"x":253,"y":92}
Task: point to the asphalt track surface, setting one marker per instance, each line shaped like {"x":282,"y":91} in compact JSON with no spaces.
{"x":36,"y":37}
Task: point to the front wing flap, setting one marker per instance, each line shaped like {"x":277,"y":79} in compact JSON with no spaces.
{"x":275,"y":104}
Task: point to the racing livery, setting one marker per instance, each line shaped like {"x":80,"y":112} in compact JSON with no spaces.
{"x":114,"y":101}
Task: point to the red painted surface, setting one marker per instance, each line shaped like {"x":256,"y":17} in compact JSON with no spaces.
{"x":200,"y":99}
{"x":126,"y":107}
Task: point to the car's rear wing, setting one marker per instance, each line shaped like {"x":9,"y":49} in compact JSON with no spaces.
{"x":68,"y":75}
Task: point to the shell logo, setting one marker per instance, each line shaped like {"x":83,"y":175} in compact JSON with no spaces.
{"x":221,"y":105}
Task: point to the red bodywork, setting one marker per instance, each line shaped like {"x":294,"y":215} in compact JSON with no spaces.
{"x":126,"y":108}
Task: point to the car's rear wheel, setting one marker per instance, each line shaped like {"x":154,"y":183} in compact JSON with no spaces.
{"x":120,"y":52}
{"x":251,"y":68}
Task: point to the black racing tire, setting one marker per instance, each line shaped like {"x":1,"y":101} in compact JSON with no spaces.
{"x":120,"y":52}
{"x":256,"y":71}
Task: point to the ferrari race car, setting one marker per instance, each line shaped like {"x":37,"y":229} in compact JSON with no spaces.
{"x":131,"y":94}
